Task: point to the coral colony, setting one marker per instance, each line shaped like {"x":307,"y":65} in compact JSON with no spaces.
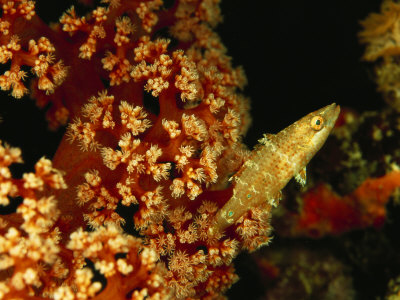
{"x":149,"y":201}
{"x":172,"y":165}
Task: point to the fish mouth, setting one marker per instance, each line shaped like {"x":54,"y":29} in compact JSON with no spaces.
{"x":330,"y":113}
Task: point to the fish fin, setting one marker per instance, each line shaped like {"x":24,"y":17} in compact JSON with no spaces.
{"x":267,"y":138}
{"x":274,"y":201}
{"x":301,"y":177}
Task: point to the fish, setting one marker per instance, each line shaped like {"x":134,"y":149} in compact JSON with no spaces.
{"x":274,"y":161}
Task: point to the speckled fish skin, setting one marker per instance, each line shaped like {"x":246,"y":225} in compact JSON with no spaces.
{"x":274,"y":162}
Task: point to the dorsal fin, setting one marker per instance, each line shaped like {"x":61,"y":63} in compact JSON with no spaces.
{"x":267,"y":138}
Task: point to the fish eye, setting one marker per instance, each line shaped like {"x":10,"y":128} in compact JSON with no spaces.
{"x":317,"y":123}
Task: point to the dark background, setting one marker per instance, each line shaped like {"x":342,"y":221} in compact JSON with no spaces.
{"x":298,"y":57}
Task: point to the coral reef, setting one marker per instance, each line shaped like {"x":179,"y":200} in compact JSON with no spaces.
{"x":393,"y":290}
{"x":300,"y":273}
{"x":130,"y":205}
{"x":148,"y":116}
{"x":123,"y":148}
{"x":380,"y":34}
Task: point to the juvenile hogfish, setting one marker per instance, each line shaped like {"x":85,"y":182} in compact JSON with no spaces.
{"x":275,"y":161}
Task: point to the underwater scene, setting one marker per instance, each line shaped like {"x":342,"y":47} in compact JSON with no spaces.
{"x":200,"y":149}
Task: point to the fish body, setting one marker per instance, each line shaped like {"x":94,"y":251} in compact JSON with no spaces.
{"x":274,"y":162}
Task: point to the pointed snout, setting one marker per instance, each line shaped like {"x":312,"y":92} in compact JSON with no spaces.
{"x":330,"y":113}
